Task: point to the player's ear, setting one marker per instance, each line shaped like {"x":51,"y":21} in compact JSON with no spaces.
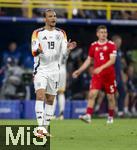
{"x":45,"y":20}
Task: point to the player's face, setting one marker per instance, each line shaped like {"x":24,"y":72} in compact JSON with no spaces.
{"x":102,"y":34}
{"x":51,"y":18}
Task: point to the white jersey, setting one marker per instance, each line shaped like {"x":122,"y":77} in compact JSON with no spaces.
{"x":52,"y":44}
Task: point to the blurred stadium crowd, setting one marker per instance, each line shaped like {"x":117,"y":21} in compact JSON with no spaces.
{"x":62,"y":13}
{"x":16,"y":65}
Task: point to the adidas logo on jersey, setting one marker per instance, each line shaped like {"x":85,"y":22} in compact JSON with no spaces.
{"x":44,"y":38}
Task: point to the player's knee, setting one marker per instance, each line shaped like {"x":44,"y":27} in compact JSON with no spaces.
{"x":92,"y":96}
{"x":49,"y":102}
{"x":40,"y":97}
{"x":40,"y":94}
{"x":50,"y":99}
{"x":61,"y":92}
{"x":111,"y":97}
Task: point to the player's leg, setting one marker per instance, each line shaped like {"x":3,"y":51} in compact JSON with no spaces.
{"x":90,"y":106}
{"x":61,"y":92}
{"x":49,"y":108}
{"x":99,"y":101}
{"x":121,"y":98}
{"x":111,"y":107}
{"x":133,"y":103}
{"x":126,"y":105}
{"x":39,"y":110}
{"x":40,"y":84}
{"x":54,"y":107}
{"x":95,"y":86}
{"x":39,"y":105}
{"x":61,"y":101}
{"x":51,"y":92}
{"x":110,"y":89}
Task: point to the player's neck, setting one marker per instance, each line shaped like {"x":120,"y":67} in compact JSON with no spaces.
{"x":49,"y":28}
{"x":102,"y":41}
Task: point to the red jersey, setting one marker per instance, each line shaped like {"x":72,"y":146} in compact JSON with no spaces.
{"x":101,"y":54}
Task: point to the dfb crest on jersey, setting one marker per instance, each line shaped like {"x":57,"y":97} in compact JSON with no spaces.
{"x":57,"y":37}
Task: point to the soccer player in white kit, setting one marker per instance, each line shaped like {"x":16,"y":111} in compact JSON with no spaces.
{"x":48,"y":43}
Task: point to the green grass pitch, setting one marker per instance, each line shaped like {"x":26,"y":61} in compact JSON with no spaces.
{"x":76,"y":135}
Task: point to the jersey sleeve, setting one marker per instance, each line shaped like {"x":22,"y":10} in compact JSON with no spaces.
{"x":91,"y":51}
{"x":64,"y":43}
{"x":35,"y":44}
{"x":113,"y":49}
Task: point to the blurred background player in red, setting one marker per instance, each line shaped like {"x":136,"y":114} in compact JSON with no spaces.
{"x":103,"y":52}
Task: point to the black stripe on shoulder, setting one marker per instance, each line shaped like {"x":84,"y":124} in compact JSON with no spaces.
{"x":41,"y":29}
{"x":58,"y":29}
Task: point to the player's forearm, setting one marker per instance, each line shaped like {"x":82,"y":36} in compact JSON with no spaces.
{"x":64,"y":49}
{"x":85,"y":65}
{"x":108,"y":64}
{"x":36,"y":47}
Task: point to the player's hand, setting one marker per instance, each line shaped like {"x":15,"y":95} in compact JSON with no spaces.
{"x":36,"y":47}
{"x":71,"y":45}
{"x":97,"y":70}
{"x":75,"y":74}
